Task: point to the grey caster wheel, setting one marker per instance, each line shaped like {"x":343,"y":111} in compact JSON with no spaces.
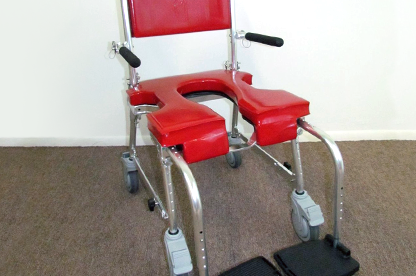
{"x":234,"y":159}
{"x":130,"y":173}
{"x":177,"y":248}
{"x":131,"y":179}
{"x":302,"y":228}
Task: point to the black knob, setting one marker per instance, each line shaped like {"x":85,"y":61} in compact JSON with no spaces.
{"x":152,"y":204}
{"x":287,"y":166}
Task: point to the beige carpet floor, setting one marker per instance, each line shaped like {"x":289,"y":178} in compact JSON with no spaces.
{"x":65,"y":211}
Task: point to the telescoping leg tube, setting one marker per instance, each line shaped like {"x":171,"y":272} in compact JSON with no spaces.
{"x":339,"y":174}
{"x":179,"y":258}
{"x":234,"y":121}
{"x":133,"y":132}
{"x":168,"y":187}
{"x":298,"y":165}
{"x":306,"y":214}
{"x":198,"y":223}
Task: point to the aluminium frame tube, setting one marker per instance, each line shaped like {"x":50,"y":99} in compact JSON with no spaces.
{"x":339,"y":174}
{"x":197,"y":216}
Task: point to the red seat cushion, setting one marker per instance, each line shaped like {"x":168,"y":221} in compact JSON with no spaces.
{"x":200,"y":130}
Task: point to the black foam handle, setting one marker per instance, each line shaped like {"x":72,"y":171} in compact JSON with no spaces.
{"x":131,"y":58}
{"x":265,"y":39}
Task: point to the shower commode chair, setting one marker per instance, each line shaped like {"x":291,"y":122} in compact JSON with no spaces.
{"x":186,"y":132}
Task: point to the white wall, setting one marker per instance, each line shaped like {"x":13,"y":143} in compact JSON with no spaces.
{"x":353,"y":60}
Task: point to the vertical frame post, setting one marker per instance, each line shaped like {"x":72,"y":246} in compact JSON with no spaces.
{"x":234,"y":65}
{"x":197,"y":216}
{"x":298,"y":165}
{"x":128,"y":37}
{"x":166,"y":163}
{"x":133,"y":134}
{"x":234,"y":122}
{"x":339,"y":174}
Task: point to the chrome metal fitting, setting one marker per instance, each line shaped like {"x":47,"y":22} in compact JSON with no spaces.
{"x":115,"y":46}
{"x":167,"y":162}
{"x":129,"y":82}
{"x":240,"y":34}
{"x":229,"y":66}
{"x":142,"y":109}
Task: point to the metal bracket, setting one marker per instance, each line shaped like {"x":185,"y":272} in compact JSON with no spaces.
{"x":240,"y":142}
{"x":142,"y":109}
{"x":240,"y":34}
{"x":115,"y":46}
{"x":137,"y":79}
{"x":228,"y":65}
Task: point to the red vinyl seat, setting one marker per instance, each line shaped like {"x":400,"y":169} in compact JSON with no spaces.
{"x":199,"y":130}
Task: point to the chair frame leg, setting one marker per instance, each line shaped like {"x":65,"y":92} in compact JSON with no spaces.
{"x":298,"y":165}
{"x":133,"y":134}
{"x":197,"y":215}
{"x":171,"y":155}
{"x":234,"y":122}
{"x":339,"y":174}
{"x":166,"y":164}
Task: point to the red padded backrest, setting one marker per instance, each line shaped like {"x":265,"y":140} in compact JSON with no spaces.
{"x":164,"y":17}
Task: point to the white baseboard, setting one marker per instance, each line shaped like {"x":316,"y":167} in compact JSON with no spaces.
{"x":362,"y":135}
{"x":72,"y":141}
{"x":358,"y":135}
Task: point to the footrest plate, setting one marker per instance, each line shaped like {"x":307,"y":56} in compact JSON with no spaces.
{"x":317,"y":258}
{"x":258,"y":266}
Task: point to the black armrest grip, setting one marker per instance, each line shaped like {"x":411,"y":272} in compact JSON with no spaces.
{"x":131,"y":58}
{"x":264,"y":39}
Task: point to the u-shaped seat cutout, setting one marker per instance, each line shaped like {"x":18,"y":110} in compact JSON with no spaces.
{"x":202,"y":132}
